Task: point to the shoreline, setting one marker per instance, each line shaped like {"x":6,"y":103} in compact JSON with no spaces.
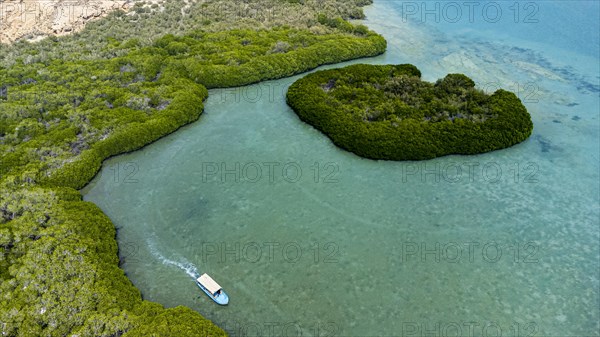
{"x":78,"y":173}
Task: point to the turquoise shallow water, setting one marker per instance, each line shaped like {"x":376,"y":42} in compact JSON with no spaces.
{"x":309,"y":239}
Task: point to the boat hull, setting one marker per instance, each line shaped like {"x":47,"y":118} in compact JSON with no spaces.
{"x":221,"y":299}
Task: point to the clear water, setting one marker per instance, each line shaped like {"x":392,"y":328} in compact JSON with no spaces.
{"x":505,"y":243}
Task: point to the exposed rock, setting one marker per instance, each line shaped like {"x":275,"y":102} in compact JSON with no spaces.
{"x":36,"y":19}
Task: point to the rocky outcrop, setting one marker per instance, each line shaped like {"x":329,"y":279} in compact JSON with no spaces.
{"x":36,"y":19}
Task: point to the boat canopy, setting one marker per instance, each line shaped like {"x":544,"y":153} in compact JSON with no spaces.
{"x":208,"y":283}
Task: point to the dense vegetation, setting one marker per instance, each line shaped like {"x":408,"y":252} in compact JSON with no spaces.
{"x":61,"y":115}
{"x":151,"y":19}
{"x":58,"y":110}
{"x":388,"y":112}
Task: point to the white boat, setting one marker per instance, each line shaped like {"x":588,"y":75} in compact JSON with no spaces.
{"x":212,"y":289}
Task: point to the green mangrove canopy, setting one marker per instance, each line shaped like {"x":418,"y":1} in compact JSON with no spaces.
{"x":388,"y":112}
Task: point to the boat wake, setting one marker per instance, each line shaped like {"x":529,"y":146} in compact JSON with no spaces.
{"x":188,"y":267}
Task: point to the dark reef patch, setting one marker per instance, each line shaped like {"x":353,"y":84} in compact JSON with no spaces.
{"x":544,"y":143}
